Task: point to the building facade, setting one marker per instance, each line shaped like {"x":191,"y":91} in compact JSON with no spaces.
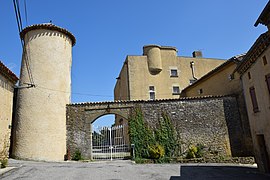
{"x":7,"y":83}
{"x":255,"y":75}
{"x":217,"y":82}
{"x":160,"y":74}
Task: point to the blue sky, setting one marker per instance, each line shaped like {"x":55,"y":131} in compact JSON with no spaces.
{"x":107,"y":31}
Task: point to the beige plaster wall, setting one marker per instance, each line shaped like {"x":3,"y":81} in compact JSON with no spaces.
{"x":121,"y":88}
{"x":41,"y":111}
{"x":6,"y":100}
{"x":140,"y":78}
{"x":217,"y":84}
{"x":259,"y":121}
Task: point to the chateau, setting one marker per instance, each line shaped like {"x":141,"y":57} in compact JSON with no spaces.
{"x":222,"y":104}
{"x":160,"y":74}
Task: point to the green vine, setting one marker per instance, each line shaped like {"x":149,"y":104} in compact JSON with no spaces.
{"x":140,"y":135}
{"x":166,"y":135}
{"x":152,"y":144}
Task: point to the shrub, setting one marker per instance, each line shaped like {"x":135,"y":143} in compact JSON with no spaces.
{"x":156,"y":151}
{"x":77,"y":155}
{"x":4,"y":163}
{"x":192,"y":150}
{"x":195,"y":151}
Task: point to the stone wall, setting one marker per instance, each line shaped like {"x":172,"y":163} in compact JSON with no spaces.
{"x":213,"y":121}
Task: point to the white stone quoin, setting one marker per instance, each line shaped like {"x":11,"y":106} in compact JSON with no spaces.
{"x":41,"y":110}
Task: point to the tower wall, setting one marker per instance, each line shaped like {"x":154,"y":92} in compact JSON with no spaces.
{"x":41,"y":110}
{"x":154,"y":58}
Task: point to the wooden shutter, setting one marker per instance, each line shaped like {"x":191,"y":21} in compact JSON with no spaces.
{"x":253,"y":99}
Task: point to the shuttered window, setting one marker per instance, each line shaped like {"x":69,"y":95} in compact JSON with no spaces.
{"x":267,"y":79}
{"x":254,"y":99}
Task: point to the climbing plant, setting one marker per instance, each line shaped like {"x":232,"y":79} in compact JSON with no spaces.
{"x":165,"y":135}
{"x":140,"y":134}
{"x":149,"y":143}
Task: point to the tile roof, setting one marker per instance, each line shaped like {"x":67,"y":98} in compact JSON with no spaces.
{"x":264,"y":16}
{"x":49,"y":26}
{"x":260,"y":45}
{"x":8,"y":73}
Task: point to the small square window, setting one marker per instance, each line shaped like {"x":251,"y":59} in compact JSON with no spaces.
{"x":152,"y":93}
{"x":200,"y":91}
{"x":151,"y":88}
{"x":176,"y":90}
{"x":249,"y":75}
{"x":174,"y":73}
{"x":264,"y":60}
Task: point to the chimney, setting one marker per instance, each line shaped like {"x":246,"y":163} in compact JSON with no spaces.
{"x":197,"y":54}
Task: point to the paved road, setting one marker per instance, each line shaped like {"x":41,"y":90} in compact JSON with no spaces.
{"x":126,"y":170}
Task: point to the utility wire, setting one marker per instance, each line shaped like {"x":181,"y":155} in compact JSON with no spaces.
{"x":20,"y":27}
{"x":25,"y":12}
{"x":84,"y":94}
{"x":17,"y":18}
{"x":19,"y":14}
{"x":94,"y":95}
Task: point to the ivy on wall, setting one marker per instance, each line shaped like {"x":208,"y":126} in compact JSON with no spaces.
{"x":152,"y":143}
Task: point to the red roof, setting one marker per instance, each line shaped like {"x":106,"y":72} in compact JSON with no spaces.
{"x":8,"y":73}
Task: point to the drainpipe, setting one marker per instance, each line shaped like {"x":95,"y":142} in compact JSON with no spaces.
{"x":192,"y":70}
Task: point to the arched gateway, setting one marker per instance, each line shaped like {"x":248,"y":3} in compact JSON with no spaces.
{"x":81,"y":136}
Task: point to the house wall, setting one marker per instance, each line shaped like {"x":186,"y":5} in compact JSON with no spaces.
{"x":6,"y":100}
{"x":217,"y":84}
{"x":259,"y":121}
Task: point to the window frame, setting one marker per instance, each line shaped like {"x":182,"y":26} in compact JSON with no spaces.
{"x":176,"y":93}
{"x":249,"y":75}
{"x":152,"y":92}
{"x":173,"y":70}
{"x":254,"y":101}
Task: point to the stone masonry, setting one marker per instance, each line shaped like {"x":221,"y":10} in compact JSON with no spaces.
{"x":213,"y":121}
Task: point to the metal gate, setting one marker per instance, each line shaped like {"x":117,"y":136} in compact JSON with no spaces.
{"x":110,"y":143}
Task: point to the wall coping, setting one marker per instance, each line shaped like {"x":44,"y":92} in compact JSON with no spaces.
{"x":150,"y":101}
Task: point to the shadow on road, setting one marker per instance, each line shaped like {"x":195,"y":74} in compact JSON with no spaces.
{"x":219,"y":172}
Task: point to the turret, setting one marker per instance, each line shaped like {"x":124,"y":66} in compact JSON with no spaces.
{"x":44,"y":90}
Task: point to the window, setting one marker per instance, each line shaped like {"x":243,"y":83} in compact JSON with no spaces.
{"x":264,"y":60}
{"x":174,"y":73}
{"x":191,"y":81}
{"x":200,"y":91}
{"x":176,"y":90}
{"x":254,"y":99}
{"x":152,"y":92}
{"x":249,"y":75}
{"x":267,"y":79}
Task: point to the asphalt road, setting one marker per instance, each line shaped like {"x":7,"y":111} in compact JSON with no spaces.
{"x":126,"y":170}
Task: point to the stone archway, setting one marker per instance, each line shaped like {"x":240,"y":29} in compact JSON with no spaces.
{"x":81,"y":116}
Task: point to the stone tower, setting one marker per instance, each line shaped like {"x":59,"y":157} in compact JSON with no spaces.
{"x":40,"y":120}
